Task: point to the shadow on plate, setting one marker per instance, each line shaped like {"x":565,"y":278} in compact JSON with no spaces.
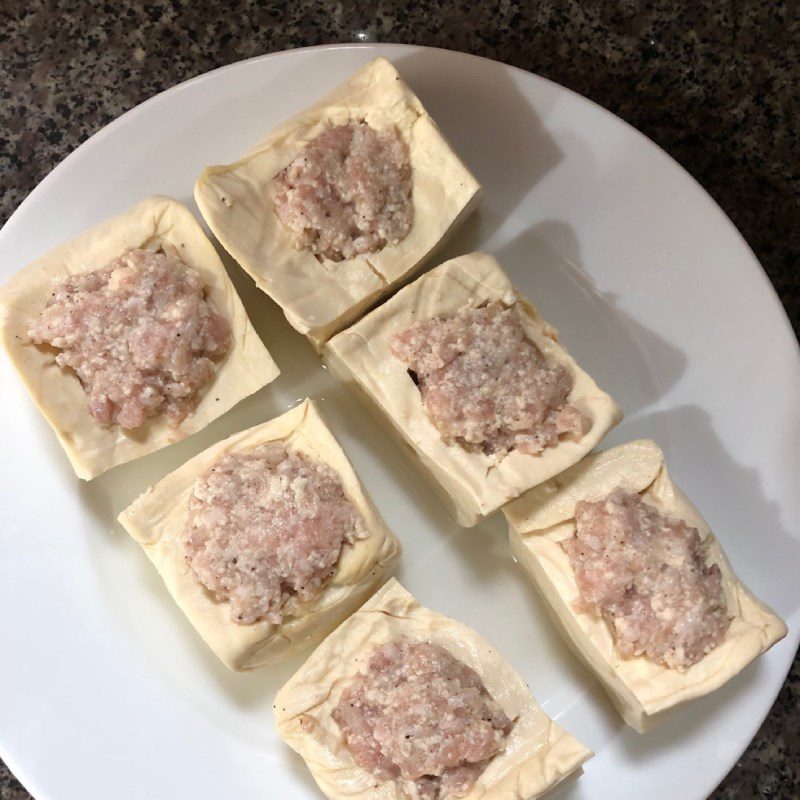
{"x":632,"y":363}
{"x":572,"y":671}
{"x":294,"y":764}
{"x":491,"y":126}
{"x":762,"y":552}
{"x":410,"y":489}
{"x":687,"y":720}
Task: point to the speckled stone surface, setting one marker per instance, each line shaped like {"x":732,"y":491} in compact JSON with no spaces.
{"x":716,"y":84}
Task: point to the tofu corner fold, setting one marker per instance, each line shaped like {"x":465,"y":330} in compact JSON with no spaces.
{"x":155,"y":223}
{"x":471,"y":484}
{"x":642,"y":690}
{"x":321,"y":299}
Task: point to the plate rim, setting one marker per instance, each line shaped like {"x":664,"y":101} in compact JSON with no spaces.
{"x":793,"y":635}
{"x":117,"y":121}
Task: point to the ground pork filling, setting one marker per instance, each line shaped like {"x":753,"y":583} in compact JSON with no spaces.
{"x":348,"y":192}
{"x":423,"y":717}
{"x":266,"y":526}
{"x":485,"y":385}
{"x":138,"y":333}
{"x":645,"y":573}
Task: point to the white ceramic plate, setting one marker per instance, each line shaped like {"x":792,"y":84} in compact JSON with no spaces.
{"x":106,"y":690}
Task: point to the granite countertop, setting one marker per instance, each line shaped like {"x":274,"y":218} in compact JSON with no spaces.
{"x":717,"y":85}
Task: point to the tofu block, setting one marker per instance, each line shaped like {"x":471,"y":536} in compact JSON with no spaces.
{"x":641,"y":689}
{"x":158,"y":223}
{"x":157,"y":518}
{"x":538,"y":753}
{"x":320,"y":298}
{"x":471,"y":483}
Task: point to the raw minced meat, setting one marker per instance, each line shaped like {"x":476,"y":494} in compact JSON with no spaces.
{"x":421,"y":716}
{"x":646,"y":574}
{"x":138,"y":333}
{"x":265,"y":526}
{"x":485,"y":385}
{"x":348,"y":192}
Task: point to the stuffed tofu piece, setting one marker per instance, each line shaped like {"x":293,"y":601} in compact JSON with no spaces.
{"x":475,"y":384}
{"x":267,"y":540}
{"x":341,"y":203}
{"x":402,"y":702}
{"x":131,"y":336}
{"x":636,"y":581}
